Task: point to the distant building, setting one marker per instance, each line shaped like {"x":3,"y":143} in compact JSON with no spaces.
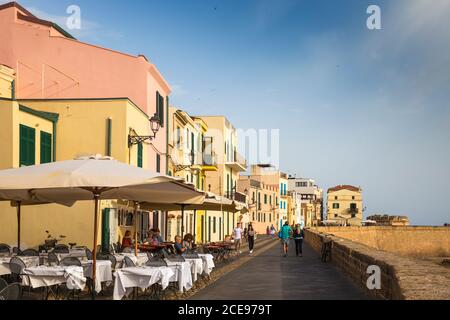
{"x":387,"y":220}
{"x":344,"y":205}
{"x":311,"y":199}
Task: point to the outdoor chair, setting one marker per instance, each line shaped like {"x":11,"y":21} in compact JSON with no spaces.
{"x":4,"y":248}
{"x":70,"y":261}
{"x":176,"y":258}
{"x":52,"y":259}
{"x":11,"y":292}
{"x":149,"y":255}
{"x":29,"y":253}
{"x":3,"y":284}
{"x":156,"y":262}
{"x":165,"y":254}
{"x":110,"y":257}
{"x":89,"y":255}
{"x":61,"y":248}
{"x":16,"y":265}
{"x":128,"y":262}
{"x":16,"y":250}
{"x":117,"y":247}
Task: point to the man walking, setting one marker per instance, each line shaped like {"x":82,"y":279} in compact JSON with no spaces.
{"x":285,"y":234}
{"x":299,"y":234}
{"x":237,"y":235}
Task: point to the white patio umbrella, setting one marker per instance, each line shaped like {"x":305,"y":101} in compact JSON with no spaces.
{"x":93,"y":178}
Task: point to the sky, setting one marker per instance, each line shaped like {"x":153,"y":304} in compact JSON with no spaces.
{"x":353,"y":106}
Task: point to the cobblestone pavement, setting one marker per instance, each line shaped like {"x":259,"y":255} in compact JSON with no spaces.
{"x":270,"y":276}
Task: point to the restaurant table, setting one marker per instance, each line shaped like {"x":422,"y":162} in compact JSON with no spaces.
{"x":196,"y":267}
{"x":182,"y":274}
{"x":140,"y":277}
{"x":208,"y":262}
{"x":46,"y":276}
{"x":140,"y":260}
{"x":103,"y":273}
{"x":30,"y":261}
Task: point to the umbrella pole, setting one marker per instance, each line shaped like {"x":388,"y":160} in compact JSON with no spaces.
{"x":195,"y":225}
{"x":94,"y":251}
{"x":18,"y":223}
{"x":182,"y":221}
{"x":135,"y":229}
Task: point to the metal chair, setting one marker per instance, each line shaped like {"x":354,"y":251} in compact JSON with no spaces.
{"x":149,"y":255}
{"x":3,"y":284}
{"x":52,"y":258}
{"x":4,"y":248}
{"x":11,"y":292}
{"x":176,"y":258}
{"x":128,"y":262}
{"x":29,"y":253}
{"x":89,"y":255}
{"x":156,"y":262}
{"x":70,"y":261}
{"x":109,"y":257}
{"x":165,"y":254}
{"x":16,"y":266}
{"x":61,"y":248}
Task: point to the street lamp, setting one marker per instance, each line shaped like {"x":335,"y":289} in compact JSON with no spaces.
{"x":155,"y":124}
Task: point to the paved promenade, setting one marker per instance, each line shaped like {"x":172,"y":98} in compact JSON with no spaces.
{"x":271,"y":276}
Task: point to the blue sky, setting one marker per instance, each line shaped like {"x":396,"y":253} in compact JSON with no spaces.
{"x":353,"y":106}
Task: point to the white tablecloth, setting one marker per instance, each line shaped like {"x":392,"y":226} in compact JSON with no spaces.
{"x":196,"y":267}
{"x":103,"y":273}
{"x":182,"y":274}
{"x":140,"y":260}
{"x":29,"y":262}
{"x":141,"y":277}
{"x":208,"y":262}
{"x":44,"y":276}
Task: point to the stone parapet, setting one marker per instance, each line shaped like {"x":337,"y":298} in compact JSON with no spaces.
{"x":401,"y":277}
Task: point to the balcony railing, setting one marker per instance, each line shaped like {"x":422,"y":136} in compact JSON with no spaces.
{"x":209,"y":159}
{"x":237,"y":196}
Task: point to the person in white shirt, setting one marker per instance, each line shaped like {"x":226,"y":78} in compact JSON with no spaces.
{"x":237,"y":235}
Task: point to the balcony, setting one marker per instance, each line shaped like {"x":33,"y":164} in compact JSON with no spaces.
{"x":236,"y":162}
{"x":237,"y":196}
{"x":209,"y":159}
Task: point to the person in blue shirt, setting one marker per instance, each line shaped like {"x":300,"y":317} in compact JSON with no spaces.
{"x":285,"y":235}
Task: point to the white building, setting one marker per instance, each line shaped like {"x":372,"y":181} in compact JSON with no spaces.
{"x":311,"y":199}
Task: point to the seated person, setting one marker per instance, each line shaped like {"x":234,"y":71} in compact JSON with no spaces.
{"x":188,"y":242}
{"x":227,"y":238}
{"x":127,"y":241}
{"x":149,"y":238}
{"x":157,"y":232}
{"x":179,"y":246}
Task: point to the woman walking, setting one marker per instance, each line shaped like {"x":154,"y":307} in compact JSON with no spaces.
{"x":299,"y":234}
{"x":251,"y":238}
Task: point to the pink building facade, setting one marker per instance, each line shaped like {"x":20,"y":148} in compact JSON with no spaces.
{"x":50,"y":64}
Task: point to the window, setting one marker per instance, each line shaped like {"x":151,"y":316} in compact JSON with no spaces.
{"x":214,"y":224}
{"x":158,"y":163}
{"x":265,"y":199}
{"x":46,"y":147}
{"x":253,"y":198}
{"x":27,"y":146}
{"x":178,"y":137}
{"x":335,"y":198}
{"x":160,"y":108}
{"x":139,"y":155}
{"x":353,"y":197}
{"x":335,"y":205}
{"x":270,"y":199}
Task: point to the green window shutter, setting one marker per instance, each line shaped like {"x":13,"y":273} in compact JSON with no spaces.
{"x":139,"y":155}
{"x":160,"y":107}
{"x":158,"y":163}
{"x":27,"y":146}
{"x":46,"y":147}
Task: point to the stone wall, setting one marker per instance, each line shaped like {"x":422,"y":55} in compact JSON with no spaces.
{"x":401,"y":277}
{"x":409,"y":241}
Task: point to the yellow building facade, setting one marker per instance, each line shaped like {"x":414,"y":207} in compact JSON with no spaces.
{"x":344,"y":205}
{"x":41,"y":131}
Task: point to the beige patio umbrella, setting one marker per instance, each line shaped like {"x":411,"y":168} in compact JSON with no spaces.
{"x":212,"y":202}
{"x":93,"y":178}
